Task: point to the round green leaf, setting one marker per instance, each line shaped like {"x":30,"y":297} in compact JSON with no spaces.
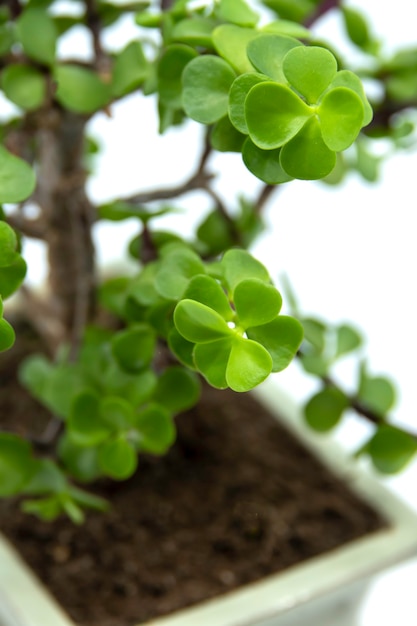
{"x":24,"y":85}
{"x":117,"y":412}
{"x":8,"y":244}
{"x":80,"y":89}
{"x":347,"y":339}
{"x":238,"y":12}
{"x":264,"y":164}
{"x":208,"y":291}
{"x":134,"y":347}
{"x":356,"y":27}
{"x":199,"y":323}
{"x":249,"y":364}
{"x":179,"y":265}
{"x":17,"y":179}
{"x":7,"y":335}
{"x":341,"y":114}
{"x":117,"y":458}
{"x":206,"y":83}
{"x":194,"y":31}
{"x":391,"y":449}
{"x":310,"y":69}
{"x":214,"y":232}
{"x":282,"y":337}
{"x":81,"y":463}
{"x":38,"y":34}
{"x":211,"y":360}
{"x":274,"y":114}
{"x":377,"y":393}
{"x":288,"y":28}
{"x":346,"y":78}
{"x":238,"y":265}
{"x":16,"y":464}
{"x":170,"y":69}
{"x":156,"y":429}
{"x":178,"y":389}
{"x":267,"y":53}
{"x":130,"y":69}
{"x":306,"y":156}
{"x":85,"y":424}
{"x":238,"y":92}
{"x":256,"y":302}
{"x":181,"y":348}
{"x":324,"y":410}
{"x":230,"y":42}
{"x":225,"y":138}
{"x":12,"y":276}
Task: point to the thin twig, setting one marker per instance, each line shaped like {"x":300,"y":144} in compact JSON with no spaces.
{"x":323,"y":7}
{"x":35,"y":228}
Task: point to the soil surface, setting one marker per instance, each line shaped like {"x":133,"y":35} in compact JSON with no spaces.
{"x":236,"y":499}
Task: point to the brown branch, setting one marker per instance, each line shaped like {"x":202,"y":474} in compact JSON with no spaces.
{"x":35,"y":229}
{"x":102,"y":60}
{"x":264,"y":196}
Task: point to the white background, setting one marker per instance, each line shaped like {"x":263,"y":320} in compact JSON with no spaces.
{"x":349,"y":251}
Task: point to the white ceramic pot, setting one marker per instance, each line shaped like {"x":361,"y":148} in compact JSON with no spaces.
{"x":324,"y":591}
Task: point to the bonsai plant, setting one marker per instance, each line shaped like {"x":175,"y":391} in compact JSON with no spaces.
{"x":123,"y":356}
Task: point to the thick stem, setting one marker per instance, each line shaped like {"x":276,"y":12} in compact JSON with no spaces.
{"x":67,"y":215}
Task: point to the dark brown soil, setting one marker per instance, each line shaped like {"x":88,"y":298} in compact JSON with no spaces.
{"x":236,"y":499}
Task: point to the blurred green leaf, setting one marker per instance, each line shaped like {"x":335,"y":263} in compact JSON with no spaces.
{"x":170,"y":68}
{"x":324,"y":410}
{"x":347,"y":339}
{"x":156,"y":428}
{"x":130,"y":69}
{"x":38,"y":34}
{"x":24,"y":85}
{"x":237,"y":12}
{"x":391,"y":449}
{"x":17,"y":179}
{"x":230,"y":42}
{"x":177,"y":390}
{"x":117,"y":458}
{"x":16,"y":464}
{"x":134,"y":347}
{"x":80,"y":89}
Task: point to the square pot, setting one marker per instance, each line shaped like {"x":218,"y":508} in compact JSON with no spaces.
{"x":323,"y":591}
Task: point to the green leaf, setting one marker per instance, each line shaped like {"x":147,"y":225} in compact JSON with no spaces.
{"x":117,"y":412}
{"x":256,"y":302}
{"x":24,"y":85}
{"x":237,"y":96}
{"x":347,"y":339}
{"x":46,"y":478}
{"x":306,"y":156}
{"x":391,"y":449}
{"x":176,"y":270}
{"x":356,"y":27}
{"x":315,"y":332}
{"x":134,"y":347}
{"x":199,"y":323}
{"x":346,"y":78}
{"x":310,"y":70}
{"x":17,"y":179}
{"x":156,"y":429}
{"x":177,"y":390}
{"x":80,"y":89}
{"x":170,"y":68}
{"x":341,"y":114}
{"x":194,"y":31}
{"x":225,"y":138}
{"x":7,"y":335}
{"x":8,"y":244}
{"x":267,"y":53}
{"x":214,"y":232}
{"x":274,"y":114}
{"x":117,"y":458}
{"x":16,"y":464}
{"x":211,"y":360}
{"x":208,"y":291}
{"x":38,"y":35}
{"x":264,"y":164}
{"x":376,"y":392}
{"x":46,"y":509}
{"x":238,"y":12}
{"x":230,"y":42}
{"x":113,"y":293}
{"x":181,"y":348}
{"x":324,"y":410}
{"x":288,"y":28}
{"x":316,"y":364}
{"x":249,"y":364}
{"x":282,"y":337}
{"x":206,"y":83}
{"x":12,"y":276}
{"x":290,"y":10}
{"x":130,"y":69}
{"x":238,"y":265}
{"x":85,"y":424}
{"x":80,"y":462}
